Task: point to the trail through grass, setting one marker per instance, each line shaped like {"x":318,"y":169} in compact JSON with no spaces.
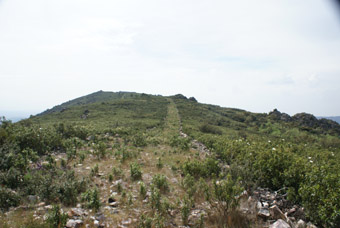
{"x":172,"y":122}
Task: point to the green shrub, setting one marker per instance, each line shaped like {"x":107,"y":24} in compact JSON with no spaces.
{"x":224,"y":197}
{"x":142,"y":190}
{"x":185,"y":211}
{"x":207,"y":128}
{"x":320,"y":193}
{"x":56,"y":218}
{"x":159,"y":163}
{"x":155,"y":198}
{"x":8,"y":198}
{"x":180,"y":142}
{"x":95,"y":170}
{"x":160,"y":181}
{"x":69,"y":188}
{"x":91,"y":199}
{"x":189,"y":184}
{"x":144,"y":222}
{"x":208,"y":168}
{"x":100,"y":150}
{"x":139,"y":140}
{"x":135,"y":171}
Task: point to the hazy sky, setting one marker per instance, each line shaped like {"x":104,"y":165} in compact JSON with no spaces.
{"x":254,"y":55}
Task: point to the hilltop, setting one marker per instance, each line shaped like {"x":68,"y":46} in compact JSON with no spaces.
{"x":138,"y":160}
{"x":107,"y":105}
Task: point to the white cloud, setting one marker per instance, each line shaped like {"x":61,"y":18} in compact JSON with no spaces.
{"x":246,"y":54}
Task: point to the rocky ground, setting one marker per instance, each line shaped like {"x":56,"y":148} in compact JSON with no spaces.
{"x":122,"y":204}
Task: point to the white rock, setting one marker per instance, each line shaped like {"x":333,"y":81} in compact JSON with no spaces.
{"x":74,"y":223}
{"x":264,"y":213}
{"x":301,"y":224}
{"x":280,"y":224}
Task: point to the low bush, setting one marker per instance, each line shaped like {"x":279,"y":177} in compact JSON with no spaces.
{"x":56,"y":218}
{"x":91,"y":199}
{"x":135,"y":171}
{"x":208,"y":168}
{"x":8,"y":198}
{"x":207,"y":128}
{"x":160,"y":181}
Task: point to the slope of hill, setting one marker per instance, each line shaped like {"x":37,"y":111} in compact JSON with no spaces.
{"x":334,"y":118}
{"x":99,"y":96}
{"x":137,"y":160}
{"x":107,"y":110}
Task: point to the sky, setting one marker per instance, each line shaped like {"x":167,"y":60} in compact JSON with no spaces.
{"x":252,"y":55}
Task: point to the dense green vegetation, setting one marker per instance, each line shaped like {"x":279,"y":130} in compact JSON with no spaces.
{"x":137,"y":138}
{"x":267,"y":152}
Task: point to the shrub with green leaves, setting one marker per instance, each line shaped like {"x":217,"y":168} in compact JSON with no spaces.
{"x":320,"y":193}
{"x":160,"y":181}
{"x":139,"y":140}
{"x":95,"y":170}
{"x":207,"y":128}
{"x":56,"y":218}
{"x":144,"y":222}
{"x":135,"y":171}
{"x":189,"y":184}
{"x":208,"y":168}
{"x":159,"y":163}
{"x":91,"y":199}
{"x":185,"y":210}
{"x":100,"y":150}
{"x":180,"y":142}
{"x":224,"y":197}
{"x":142,"y":189}
{"x":155,"y":198}
{"x":8,"y":198}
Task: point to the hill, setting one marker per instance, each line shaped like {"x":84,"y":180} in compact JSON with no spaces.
{"x":114,"y":109}
{"x":137,"y":160}
{"x":334,"y":118}
{"x":99,"y":96}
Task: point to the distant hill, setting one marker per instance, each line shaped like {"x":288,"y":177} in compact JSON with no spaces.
{"x":112,"y":109}
{"x":99,"y":96}
{"x":107,"y":110}
{"x":334,"y":118}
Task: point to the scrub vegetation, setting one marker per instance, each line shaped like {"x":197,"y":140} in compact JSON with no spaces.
{"x":137,"y":159}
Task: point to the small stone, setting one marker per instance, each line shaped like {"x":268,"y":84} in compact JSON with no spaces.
{"x":276,"y":213}
{"x":280,"y":224}
{"x":291,"y":211}
{"x":74,"y":223}
{"x":266,"y":205}
{"x":32,"y":198}
{"x":48,"y":207}
{"x":113,"y":204}
{"x":100,"y":217}
{"x":301,"y":224}
{"x":78,"y":212}
{"x":127,"y":222}
{"x":263,"y":213}
{"x":69,"y":214}
{"x":258,"y":205}
{"x":310,"y":225}
{"x":41,"y":204}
